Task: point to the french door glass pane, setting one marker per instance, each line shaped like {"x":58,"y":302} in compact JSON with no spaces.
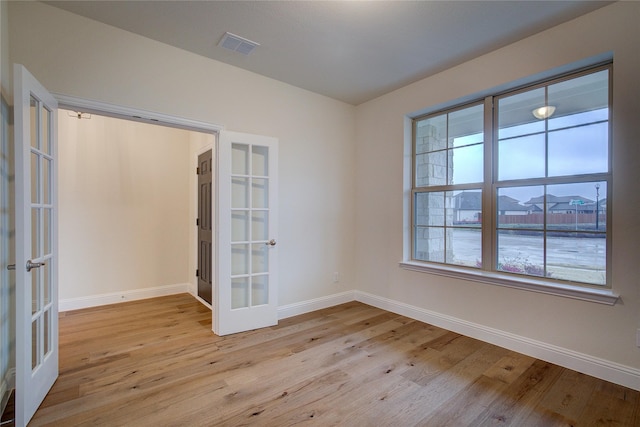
{"x":46,"y":181}
{"x":35,"y":292}
{"x":34,"y":123}
{"x":239,"y":259}
{"x":260,"y":193}
{"x":260,"y":161}
{"x":259,"y":225}
{"x":35,"y":232}
{"x":239,"y":292}
{"x":45,"y":127}
{"x":35,"y":178}
{"x":46,"y":331}
{"x":239,"y":226}
{"x":259,"y":258}
{"x":46,"y":284}
{"x":35,"y":343}
{"x":239,"y":193}
{"x":46,"y":230}
{"x":259,"y":290}
{"x":240,"y":159}
{"x":249,"y":221}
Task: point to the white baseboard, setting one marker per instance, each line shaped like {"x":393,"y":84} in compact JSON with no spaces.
{"x":8,"y":384}
{"x":599,"y":368}
{"x":116,"y":297}
{"x":303,"y":307}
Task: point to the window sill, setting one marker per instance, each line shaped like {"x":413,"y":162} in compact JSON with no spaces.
{"x":602,"y":296}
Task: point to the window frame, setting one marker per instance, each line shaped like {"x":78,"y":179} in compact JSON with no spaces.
{"x":488,"y":272}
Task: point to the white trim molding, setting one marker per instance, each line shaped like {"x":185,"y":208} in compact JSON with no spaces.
{"x":590,"y":365}
{"x":112,"y":110}
{"x":584,"y":293}
{"x":303,"y":307}
{"x":123,"y":296}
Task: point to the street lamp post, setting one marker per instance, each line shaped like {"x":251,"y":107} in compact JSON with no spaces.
{"x":597,"y":206}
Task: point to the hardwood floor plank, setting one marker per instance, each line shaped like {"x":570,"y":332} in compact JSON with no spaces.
{"x":156,"y":363}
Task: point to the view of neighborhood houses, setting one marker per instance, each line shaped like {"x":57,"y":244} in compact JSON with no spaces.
{"x":556,"y":229}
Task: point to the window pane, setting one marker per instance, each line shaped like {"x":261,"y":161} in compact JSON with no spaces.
{"x":429,"y":208}
{"x":431,"y":169}
{"x":579,"y":150}
{"x":429,"y":244}
{"x":573,"y":206}
{"x":521,"y":208}
{"x":431,"y":134}
{"x":464,"y":247}
{"x":521,"y":252}
{"x":580,"y":100}
{"x":464,"y":208}
{"x":577,"y":257}
{"x":516,"y":117}
{"x":468,"y":164}
{"x":520,"y":158}
{"x":466,"y":126}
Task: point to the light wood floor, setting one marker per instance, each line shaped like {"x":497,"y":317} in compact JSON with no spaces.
{"x":157,"y":363}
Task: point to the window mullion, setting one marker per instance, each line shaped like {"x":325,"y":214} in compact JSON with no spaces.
{"x":488,"y":189}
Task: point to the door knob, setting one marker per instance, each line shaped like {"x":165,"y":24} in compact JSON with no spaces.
{"x":31,"y":265}
{"x":271,"y":242}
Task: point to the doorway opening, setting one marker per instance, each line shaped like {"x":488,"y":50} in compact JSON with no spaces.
{"x":128,"y":207}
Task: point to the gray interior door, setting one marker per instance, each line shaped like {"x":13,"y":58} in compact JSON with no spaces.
{"x":205,"y":179}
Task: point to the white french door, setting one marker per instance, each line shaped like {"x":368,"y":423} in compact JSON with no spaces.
{"x":35,"y":120}
{"x":246,"y":290}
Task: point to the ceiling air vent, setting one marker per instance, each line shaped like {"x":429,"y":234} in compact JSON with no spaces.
{"x":238,"y":44}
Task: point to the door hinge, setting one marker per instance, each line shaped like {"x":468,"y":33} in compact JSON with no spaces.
{"x":197,"y":273}
{"x":197,"y":221}
{"x":197,"y":171}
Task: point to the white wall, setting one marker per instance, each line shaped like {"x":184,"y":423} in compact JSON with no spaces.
{"x":86,"y":59}
{"x":124,"y":217}
{"x":598,"y":331}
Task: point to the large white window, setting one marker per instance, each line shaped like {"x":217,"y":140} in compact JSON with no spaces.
{"x":518,"y":183}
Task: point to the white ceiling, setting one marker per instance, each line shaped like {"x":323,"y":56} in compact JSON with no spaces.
{"x":353,"y":51}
